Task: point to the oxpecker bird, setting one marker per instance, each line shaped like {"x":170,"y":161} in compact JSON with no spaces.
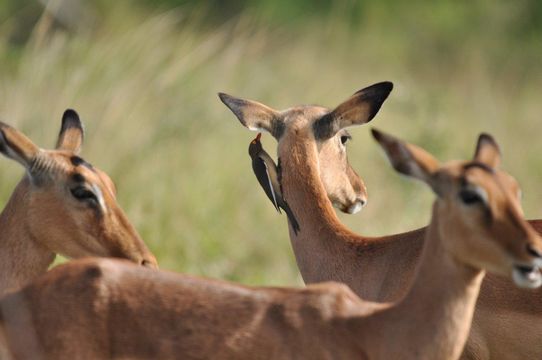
{"x":267,"y":174}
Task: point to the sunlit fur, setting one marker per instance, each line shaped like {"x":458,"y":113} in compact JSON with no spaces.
{"x":382,"y":268}
{"x":42,"y":218}
{"x":112,"y":309}
{"x":488,"y":223}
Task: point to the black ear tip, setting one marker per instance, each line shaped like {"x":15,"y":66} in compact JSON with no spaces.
{"x":376,"y":94}
{"x":3,"y":126}
{"x":377,"y":134}
{"x":70,"y":113}
{"x":234,"y":104}
{"x":385,"y":86}
{"x":379,"y":90}
{"x":224,"y":97}
{"x":486,"y":137}
{"x":382,"y":138}
{"x":230,"y":101}
{"x":3,"y":137}
{"x":71,"y":119}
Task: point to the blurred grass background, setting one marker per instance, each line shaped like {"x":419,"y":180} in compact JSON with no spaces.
{"x":144,"y":76}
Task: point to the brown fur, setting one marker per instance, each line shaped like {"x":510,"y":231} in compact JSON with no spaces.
{"x":42,"y":217}
{"x":382,"y":268}
{"x":106,"y":309}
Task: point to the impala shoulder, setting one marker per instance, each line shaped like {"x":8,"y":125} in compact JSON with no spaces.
{"x":85,"y":277}
{"x":333,"y":298}
{"x":331,"y":288}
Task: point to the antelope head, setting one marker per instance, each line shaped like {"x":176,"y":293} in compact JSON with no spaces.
{"x":478,"y":205}
{"x":323,"y":128}
{"x":70,"y":206}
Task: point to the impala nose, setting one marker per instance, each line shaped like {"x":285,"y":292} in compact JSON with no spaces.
{"x":357,"y":205}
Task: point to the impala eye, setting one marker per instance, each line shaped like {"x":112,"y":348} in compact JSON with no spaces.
{"x":83,"y":194}
{"x":345,"y":138}
{"x":470,"y":197}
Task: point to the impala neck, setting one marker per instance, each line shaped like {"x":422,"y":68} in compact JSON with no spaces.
{"x":441,"y":301}
{"x":22,"y":258}
{"x":377,"y":269}
{"x":304,"y":191}
{"x":322,"y":237}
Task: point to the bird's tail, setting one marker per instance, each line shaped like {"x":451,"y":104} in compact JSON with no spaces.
{"x":291,"y":217}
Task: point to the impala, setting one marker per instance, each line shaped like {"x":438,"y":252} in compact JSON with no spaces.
{"x":316,"y":175}
{"x":63,"y":205}
{"x":103,"y":309}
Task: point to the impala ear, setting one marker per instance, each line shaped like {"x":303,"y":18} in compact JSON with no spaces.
{"x":71,"y":134}
{"x":409,"y":159}
{"x":359,"y":109}
{"x":16,"y":146}
{"x":487,"y":151}
{"x":255,"y":116}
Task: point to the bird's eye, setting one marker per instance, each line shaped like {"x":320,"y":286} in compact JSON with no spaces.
{"x":470,"y":197}
{"x":83,"y":194}
{"x":344,"y":139}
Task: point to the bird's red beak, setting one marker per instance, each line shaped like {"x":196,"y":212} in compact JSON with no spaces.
{"x":258,"y":137}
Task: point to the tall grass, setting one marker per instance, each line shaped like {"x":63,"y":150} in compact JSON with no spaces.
{"x":145,"y":83}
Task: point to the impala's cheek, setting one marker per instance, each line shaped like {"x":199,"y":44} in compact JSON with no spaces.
{"x":338,"y":205}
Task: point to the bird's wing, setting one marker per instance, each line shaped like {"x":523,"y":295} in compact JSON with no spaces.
{"x":271,"y":186}
{"x":262,"y":174}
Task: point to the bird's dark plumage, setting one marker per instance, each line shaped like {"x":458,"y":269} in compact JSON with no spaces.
{"x":266,"y":172}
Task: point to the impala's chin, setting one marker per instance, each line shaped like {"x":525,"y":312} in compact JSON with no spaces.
{"x":527,"y":276}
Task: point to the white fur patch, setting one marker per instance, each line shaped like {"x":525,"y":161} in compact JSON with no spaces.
{"x":531,"y":280}
{"x":354,"y":208}
{"x":100,"y":197}
{"x":255,"y":128}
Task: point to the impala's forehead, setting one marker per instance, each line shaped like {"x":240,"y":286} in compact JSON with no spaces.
{"x":479,"y":174}
{"x":62,"y":164}
{"x":96,"y":178}
{"x":458,"y":169}
{"x":69,"y":162}
{"x":483,"y":174}
{"x":84,"y":174}
{"x":78,"y":161}
{"x":303,"y":115}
